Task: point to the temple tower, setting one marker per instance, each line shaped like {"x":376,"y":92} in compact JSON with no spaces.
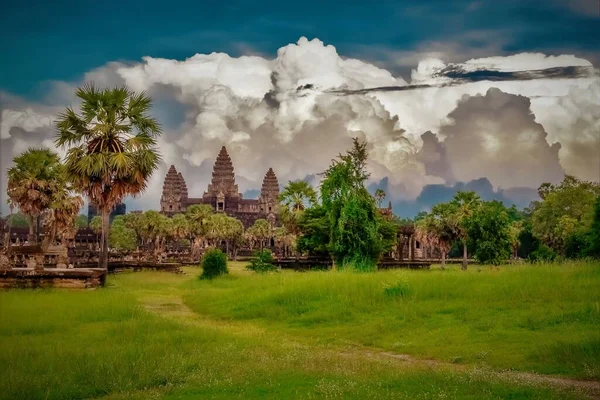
{"x":222,"y":189}
{"x":174,"y":192}
{"x":269,"y":193}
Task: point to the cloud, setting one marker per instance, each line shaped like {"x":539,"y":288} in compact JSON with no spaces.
{"x":287,"y":113}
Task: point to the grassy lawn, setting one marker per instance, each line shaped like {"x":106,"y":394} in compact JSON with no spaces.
{"x":391,"y":334}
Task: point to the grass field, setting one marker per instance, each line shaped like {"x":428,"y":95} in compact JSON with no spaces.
{"x":512,"y":332}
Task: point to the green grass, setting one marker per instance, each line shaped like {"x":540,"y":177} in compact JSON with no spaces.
{"x":305,"y":335}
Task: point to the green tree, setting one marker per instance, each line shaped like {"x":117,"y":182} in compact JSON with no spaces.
{"x":355,"y":238}
{"x":566,"y":210}
{"x":82,"y":221}
{"x":593,"y":236}
{"x":465,"y":205}
{"x":111,"y":148}
{"x":490,"y":233}
{"x":34,"y":181}
{"x":96,"y":226}
{"x":122,"y":237}
{"x":315,"y":229}
{"x":18,"y":220}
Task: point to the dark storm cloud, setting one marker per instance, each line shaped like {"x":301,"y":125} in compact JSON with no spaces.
{"x":460,"y":76}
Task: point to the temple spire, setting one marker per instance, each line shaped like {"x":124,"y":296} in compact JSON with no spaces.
{"x":270,"y":186}
{"x":223,"y":175}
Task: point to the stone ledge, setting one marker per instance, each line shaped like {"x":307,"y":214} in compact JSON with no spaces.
{"x":82,"y":278}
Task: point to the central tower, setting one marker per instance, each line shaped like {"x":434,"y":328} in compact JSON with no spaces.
{"x":222,"y":192}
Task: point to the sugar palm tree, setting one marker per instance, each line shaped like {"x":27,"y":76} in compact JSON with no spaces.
{"x":34,"y":180}
{"x":62,"y":217}
{"x":111,"y":144}
{"x":295,"y":198}
{"x":198,"y":215}
{"x":465,"y":204}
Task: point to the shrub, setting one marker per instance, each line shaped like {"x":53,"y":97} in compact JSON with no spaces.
{"x":542,"y":254}
{"x":214,"y":263}
{"x":262,"y":261}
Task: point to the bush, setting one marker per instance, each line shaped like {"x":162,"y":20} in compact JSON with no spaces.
{"x":542,"y":254}
{"x":214,"y":263}
{"x":262,"y":261}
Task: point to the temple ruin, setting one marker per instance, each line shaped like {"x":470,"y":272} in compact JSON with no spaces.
{"x":222,"y":194}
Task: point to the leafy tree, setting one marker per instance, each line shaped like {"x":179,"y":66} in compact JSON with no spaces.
{"x":96,"y":226}
{"x":122,"y":237}
{"x":593,"y":236}
{"x":379,"y":196}
{"x":34,"y":181}
{"x":82,"y":221}
{"x":515,"y":229}
{"x":112,"y":148}
{"x":465,"y":205}
{"x":214,"y":263}
{"x":261,"y":262}
{"x":353,"y":217}
{"x":315,"y":229}
{"x":490,"y":232}
{"x":566,"y":209}
{"x":18,"y":220}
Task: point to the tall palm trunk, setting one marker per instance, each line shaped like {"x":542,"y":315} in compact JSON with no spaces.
{"x":31,"y":223}
{"x":443,"y":251}
{"x":103,"y":259}
{"x":464,"y":260}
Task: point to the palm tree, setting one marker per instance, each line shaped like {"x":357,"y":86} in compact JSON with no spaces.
{"x":379,"y":197}
{"x":36,"y":177}
{"x":261,"y":231}
{"x":465,"y":203}
{"x":295,"y":198}
{"x":62,"y":218}
{"x":180,"y":227}
{"x":438,"y":228}
{"x":112,"y":148}
{"x":198,"y":216}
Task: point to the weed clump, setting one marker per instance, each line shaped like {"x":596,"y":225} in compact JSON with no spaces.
{"x":214,"y":263}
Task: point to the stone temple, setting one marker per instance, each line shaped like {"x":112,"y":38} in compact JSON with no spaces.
{"x":223,"y":194}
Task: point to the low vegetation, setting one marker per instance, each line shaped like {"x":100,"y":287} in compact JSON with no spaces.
{"x":307,"y":335}
{"x":214,"y":263}
{"x":261,"y":262}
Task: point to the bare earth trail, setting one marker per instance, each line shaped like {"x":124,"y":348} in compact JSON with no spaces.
{"x":174,"y":308}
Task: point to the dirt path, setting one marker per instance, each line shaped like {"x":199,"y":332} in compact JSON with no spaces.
{"x":173,"y":307}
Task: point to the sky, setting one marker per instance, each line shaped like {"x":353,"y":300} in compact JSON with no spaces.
{"x":497,"y":97}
